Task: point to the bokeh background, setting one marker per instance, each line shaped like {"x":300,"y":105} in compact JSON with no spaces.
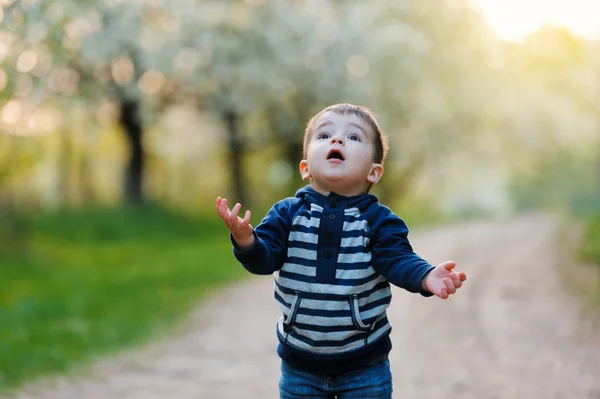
{"x":121,"y":121}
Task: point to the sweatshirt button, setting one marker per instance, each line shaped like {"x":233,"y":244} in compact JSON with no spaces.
{"x":327,"y":255}
{"x":331,"y":216}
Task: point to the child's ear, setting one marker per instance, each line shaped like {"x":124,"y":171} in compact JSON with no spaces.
{"x":375,"y":173}
{"x":304,"y":172}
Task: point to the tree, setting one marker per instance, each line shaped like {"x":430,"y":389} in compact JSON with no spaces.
{"x":74,"y":54}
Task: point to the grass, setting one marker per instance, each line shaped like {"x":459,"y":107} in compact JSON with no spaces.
{"x":589,"y":251}
{"x":78,"y":284}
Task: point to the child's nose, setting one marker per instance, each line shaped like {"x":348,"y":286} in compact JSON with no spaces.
{"x":337,"y":139}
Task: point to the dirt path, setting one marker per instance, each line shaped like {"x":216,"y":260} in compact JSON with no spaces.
{"x":510,"y":333}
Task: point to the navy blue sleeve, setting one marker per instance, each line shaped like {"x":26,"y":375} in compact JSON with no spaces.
{"x":270,"y":246}
{"x":392,"y":255}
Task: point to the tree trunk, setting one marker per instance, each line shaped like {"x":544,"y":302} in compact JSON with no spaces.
{"x":289,"y":130}
{"x":236,"y":153}
{"x":293,"y":156}
{"x":134,"y":173}
{"x":6,"y":163}
{"x":85,"y":181}
{"x":64,"y":181}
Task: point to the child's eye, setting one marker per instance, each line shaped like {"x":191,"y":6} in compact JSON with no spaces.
{"x":323,"y":135}
{"x":354,"y":137}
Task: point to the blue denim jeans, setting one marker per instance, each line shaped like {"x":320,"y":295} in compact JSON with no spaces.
{"x":370,"y":382}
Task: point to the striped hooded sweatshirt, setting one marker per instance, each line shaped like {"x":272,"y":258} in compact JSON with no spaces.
{"x":333,"y":259}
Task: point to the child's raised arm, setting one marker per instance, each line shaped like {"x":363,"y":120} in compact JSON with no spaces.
{"x":241,"y":229}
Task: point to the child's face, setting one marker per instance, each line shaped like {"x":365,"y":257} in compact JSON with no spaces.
{"x":340,"y":155}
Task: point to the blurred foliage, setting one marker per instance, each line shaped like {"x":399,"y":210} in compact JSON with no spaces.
{"x":74,"y":285}
{"x":226,"y":88}
{"x":559,"y":180}
{"x":589,"y":287}
{"x":591,"y":246}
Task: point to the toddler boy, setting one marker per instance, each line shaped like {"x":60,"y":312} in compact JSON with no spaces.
{"x":334,"y":250}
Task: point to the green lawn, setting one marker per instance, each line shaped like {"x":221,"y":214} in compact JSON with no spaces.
{"x":77,"y":284}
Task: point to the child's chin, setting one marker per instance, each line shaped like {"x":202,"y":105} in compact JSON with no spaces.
{"x":336,"y":178}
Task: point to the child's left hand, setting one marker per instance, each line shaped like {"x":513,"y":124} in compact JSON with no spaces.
{"x":443,"y":281}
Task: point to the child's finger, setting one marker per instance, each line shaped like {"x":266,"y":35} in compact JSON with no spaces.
{"x":246,"y":220}
{"x":219,"y":200}
{"x":449,"y":285}
{"x":462,"y":276}
{"x":224,"y":208}
{"x":227,"y":210}
{"x":226,"y":213}
{"x":235,"y":212}
{"x":456,"y":280}
{"x":449,"y":265}
{"x":220,"y":207}
{"x":443,"y":293}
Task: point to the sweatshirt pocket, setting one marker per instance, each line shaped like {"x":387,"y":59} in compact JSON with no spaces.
{"x":288,"y":321}
{"x":355,"y":312}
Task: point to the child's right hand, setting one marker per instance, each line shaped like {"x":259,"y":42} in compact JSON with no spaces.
{"x":241,"y":229}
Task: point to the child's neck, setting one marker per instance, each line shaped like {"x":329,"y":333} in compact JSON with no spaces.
{"x":328,"y":190}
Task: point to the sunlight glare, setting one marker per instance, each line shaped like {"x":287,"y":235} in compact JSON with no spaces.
{"x":515,"y":19}
{"x":11,"y":112}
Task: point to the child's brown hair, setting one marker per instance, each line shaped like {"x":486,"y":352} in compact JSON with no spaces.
{"x":381,"y":140}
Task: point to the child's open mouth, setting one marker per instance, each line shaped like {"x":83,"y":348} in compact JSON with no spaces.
{"x":334,"y":154}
